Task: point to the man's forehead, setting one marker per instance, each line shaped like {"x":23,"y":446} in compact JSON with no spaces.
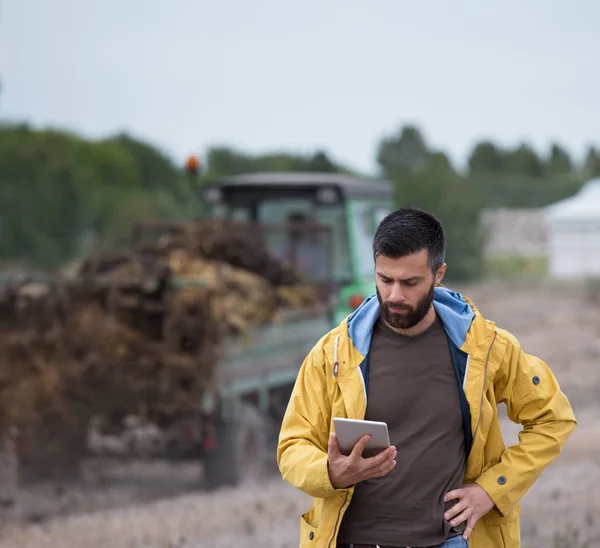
{"x":414,"y":261}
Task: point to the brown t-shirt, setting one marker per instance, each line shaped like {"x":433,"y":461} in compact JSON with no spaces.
{"x":413,"y":388}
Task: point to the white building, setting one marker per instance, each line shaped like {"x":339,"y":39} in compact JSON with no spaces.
{"x":574,"y":234}
{"x":515,"y":233}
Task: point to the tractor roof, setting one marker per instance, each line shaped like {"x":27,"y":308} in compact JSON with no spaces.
{"x":349,"y":186}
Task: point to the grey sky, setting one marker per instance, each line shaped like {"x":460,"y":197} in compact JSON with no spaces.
{"x":338,"y":74}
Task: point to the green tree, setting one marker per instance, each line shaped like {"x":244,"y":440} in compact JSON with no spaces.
{"x":486,"y":157}
{"x":222,"y":162}
{"x":559,"y":161}
{"x":405,"y":151}
{"x":155,"y":169}
{"x":56,"y":188}
{"x":432,"y":184}
{"x":524,"y":161}
{"x":320,"y":162}
{"x":591,"y":166}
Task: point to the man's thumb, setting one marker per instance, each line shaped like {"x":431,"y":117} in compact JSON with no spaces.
{"x":333,"y":448}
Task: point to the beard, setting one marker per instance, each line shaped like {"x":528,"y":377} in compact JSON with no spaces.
{"x":409,"y":316}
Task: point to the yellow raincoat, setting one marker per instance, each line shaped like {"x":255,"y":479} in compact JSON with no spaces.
{"x":491,"y":367}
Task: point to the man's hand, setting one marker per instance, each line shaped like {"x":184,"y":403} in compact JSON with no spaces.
{"x":348,"y":470}
{"x":473,"y":503}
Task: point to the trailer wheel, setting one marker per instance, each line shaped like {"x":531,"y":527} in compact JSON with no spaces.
{"x":241,"y":454}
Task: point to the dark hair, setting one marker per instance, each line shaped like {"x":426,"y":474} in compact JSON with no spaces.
{"x":410,"y":230}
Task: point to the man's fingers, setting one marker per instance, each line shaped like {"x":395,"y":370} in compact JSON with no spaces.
{"x":360,"y":446}
{"x":389,"y":467}
{"x":384,"y":467}
{"x":469,"y":528}
{"x":384,"y":456}
{"x":453,"y":495}
{"x":384,"y":462}
{"x":458,"y":507}
{"x":382,"y":470}
{"x":463,"y":516}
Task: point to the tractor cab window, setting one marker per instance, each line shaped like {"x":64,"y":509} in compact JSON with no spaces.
{"x":240,"y":213}
{"x":320,"y":253}
{"x":323,"y":255}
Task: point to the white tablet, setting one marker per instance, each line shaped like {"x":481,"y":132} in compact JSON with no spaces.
{"x":349,"y":432}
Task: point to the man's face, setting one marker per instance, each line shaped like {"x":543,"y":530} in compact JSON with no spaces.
{"x":405,"y":288}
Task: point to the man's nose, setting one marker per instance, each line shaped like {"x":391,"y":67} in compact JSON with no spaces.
{"x":397,"y":295}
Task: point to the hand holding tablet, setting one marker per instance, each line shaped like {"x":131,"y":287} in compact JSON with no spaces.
{"x":359,"y":450}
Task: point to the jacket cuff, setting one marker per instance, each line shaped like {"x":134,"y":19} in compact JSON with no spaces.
{"x":498,"y":487}
{"x":325,"y":480}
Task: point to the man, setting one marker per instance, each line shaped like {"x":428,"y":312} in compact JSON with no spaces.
{"x":422,"y":359}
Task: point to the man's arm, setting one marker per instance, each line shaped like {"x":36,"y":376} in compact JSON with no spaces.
{"x":304,"y":435}
{"x":533,"y":398}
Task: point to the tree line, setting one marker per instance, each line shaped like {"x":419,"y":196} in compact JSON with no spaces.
{"x":62,"y":195}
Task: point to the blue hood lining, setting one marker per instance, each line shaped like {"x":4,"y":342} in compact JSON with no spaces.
{"x":451,"y":307}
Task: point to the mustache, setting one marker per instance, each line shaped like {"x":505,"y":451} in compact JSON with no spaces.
{"x":397,"y":306}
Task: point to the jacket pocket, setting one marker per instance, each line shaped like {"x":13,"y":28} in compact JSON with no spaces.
{"x":511,"y":534}
{"x":496,"y":531}
{"x":494,"y":518}
{"x":308,"y":531}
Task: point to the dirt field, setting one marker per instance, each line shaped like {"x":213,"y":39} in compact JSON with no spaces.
{"x":560,"y":324}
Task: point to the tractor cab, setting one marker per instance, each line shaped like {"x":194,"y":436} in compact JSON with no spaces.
{"x":322,"y":223}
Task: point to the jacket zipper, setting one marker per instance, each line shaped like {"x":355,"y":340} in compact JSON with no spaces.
{"x":337,"y":521}
{"x":336,"y":368}
{"x":483,"y":385}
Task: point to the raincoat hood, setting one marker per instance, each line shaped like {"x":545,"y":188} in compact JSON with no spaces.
{"x":454,"y":311}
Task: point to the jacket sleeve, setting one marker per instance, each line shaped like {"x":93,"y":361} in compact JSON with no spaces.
{"x":302,"y":447}
{"x":533,"y":399}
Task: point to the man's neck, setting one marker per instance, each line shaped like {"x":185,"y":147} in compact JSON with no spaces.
{"x":421,"y":327}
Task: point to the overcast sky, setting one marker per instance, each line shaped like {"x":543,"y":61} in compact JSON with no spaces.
{"x":337,"y":74}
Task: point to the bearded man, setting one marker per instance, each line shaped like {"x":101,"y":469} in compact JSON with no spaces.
{"x":422,"y":359}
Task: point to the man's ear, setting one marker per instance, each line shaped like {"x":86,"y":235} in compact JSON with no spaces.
{"x":439,"y":275}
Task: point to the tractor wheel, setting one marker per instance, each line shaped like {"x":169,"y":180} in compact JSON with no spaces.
{"x":241,"y":452}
